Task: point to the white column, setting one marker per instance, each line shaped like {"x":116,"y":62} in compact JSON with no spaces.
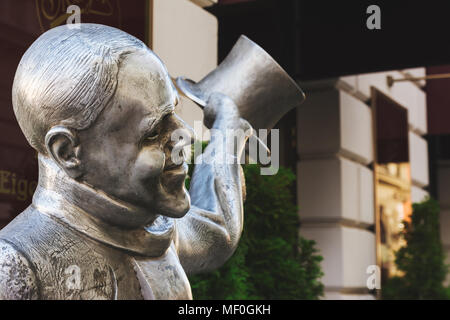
{"x":335,"y":188}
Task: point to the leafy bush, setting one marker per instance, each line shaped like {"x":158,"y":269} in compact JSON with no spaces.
{"x":421,"y":260}
{"x":271,"y":261}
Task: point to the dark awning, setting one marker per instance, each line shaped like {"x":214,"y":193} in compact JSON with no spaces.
{"x":316,"y":39}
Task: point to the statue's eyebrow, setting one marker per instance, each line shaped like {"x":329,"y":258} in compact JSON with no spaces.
{"x":167,"y":109}
{"x":153,"y":122}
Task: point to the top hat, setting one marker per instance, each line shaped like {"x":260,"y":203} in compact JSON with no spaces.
{"x":258,"y":85}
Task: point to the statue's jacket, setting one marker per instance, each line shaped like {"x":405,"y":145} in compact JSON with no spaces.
{"x":44,"y":259}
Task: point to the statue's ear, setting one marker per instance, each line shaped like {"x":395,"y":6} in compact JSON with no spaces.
{"x":63,"y":146}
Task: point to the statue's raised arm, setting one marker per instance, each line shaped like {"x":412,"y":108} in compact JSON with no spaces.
{"x":209,"y":233}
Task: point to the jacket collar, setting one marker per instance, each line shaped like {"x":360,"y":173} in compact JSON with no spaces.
{"x":73,"y":203}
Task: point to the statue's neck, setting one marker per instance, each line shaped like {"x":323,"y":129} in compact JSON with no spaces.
{"x":91,"y":212}
{"x":83,"y":197}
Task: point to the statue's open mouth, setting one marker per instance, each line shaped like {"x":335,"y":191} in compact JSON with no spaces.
{"x":177,"y":168}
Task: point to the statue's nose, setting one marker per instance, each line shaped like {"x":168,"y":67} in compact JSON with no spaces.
{"x":184,"y":129}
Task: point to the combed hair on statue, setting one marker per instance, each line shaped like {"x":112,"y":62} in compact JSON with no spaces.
{"x":67,"y":77}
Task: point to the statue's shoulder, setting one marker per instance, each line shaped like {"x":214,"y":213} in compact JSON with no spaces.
{"x":27,"y":222}
{"x":35,"y":231}
{"x":17,"y":278}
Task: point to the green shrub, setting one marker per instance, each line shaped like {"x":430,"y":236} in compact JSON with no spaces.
{"x":271,"y":261}
{"x":421,"y":260}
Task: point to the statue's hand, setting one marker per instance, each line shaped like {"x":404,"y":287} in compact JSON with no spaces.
{"x":222,"y":113}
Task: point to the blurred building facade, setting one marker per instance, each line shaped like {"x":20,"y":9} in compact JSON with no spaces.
{"x":342,"y":188}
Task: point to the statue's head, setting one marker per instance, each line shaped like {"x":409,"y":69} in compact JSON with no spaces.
{"x":100,"y":104}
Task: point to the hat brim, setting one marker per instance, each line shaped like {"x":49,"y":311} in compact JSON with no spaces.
{"x":191,"y":90}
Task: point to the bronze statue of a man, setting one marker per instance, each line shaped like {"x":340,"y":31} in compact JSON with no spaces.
{"x":111,"y":218}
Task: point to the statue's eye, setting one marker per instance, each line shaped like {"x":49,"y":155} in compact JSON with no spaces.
{"x":152,"y":135}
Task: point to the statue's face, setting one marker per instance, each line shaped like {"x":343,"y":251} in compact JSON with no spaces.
{"x":127,"y":152}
